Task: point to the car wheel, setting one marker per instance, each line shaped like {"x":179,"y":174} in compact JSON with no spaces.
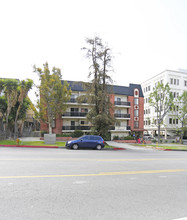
{"x":98,"y":147}
{"x":75,"y":146}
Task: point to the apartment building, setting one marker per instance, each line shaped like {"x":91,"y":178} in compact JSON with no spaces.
{"x":128,"y":110}
{"x":177,"y":81}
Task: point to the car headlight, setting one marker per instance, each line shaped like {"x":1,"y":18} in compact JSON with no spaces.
{"x":69,"y":142}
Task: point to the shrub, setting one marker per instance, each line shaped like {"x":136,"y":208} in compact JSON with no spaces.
{"x":161,"y":140}
{"x":154,"y":141}
{"x":43,"y":132}
{"x":129,"y":138}
{"x":107,"y":137}
{"x":166,"y":141}
{"x":77,"y":133}
{"x":116,"y":137}
{"x":64,"y":135}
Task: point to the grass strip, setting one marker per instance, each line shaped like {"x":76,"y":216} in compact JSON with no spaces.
{"x":32,"y":143}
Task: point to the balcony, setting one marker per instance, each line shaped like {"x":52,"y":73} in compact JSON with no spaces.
{"x":74,"y":114}
{"x":117,"y":115}
{"x":73,"y":100}
{"x":122,"y":103}
{"x":72,"y":128}
{"x":126,"y":128}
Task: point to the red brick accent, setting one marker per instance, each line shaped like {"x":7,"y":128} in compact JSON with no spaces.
{"x":112,"y":97}
{"x":58,"y":125}
{"x":43,"y":126}
{"x":141,"y":112}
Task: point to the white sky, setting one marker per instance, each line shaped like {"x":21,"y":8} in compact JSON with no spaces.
{"x":146,"y":36}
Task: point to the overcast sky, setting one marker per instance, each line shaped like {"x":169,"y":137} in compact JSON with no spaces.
{"x":146,"y":36}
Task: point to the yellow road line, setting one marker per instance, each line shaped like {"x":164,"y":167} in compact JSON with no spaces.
{"x":97,"y":174}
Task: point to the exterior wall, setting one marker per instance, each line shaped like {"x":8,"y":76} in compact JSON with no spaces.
{"x":177,"y":88}
{"x":123,"y":108}
{"x":141,"y":114}
{"x":43,"y":126}
{"x":58,"y":125}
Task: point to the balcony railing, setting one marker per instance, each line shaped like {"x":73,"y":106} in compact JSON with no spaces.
{"x":126,"y":128}
{"x":75,"y":114}
{"x":73,"y":100}
{"x":117,"y":115}
{"x":122,"y":103}
{"x":80,"y":127}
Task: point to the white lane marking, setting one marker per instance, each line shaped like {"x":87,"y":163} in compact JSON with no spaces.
{"x":132,"y":178}
{"x":185,"y":218}
{"x":163,"y":176}
{"x":80,"y":182}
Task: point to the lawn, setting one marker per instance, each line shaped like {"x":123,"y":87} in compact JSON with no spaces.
{"x":32,"y":143}
{"x":165,"y":146}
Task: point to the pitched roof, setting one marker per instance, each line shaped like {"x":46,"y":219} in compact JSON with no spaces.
{"x":115,"y":89}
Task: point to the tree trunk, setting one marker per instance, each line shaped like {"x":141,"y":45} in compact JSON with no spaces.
{"x":15,"y":123}
{"x":6,"y":127}
{"x":159,"y":133}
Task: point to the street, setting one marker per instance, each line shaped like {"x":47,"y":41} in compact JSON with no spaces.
{"x":135,"y":183}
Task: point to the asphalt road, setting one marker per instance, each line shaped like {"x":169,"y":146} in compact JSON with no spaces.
{"x":87,"y":184}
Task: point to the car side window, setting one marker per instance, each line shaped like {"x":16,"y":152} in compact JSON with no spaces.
{"x":84,"y":138}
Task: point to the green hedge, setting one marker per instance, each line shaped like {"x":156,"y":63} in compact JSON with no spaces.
{"x":123,"y":138}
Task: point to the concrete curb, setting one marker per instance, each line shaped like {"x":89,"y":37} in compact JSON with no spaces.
{"x":29,"y":146}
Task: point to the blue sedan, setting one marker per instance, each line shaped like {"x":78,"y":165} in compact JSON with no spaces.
{"x":87,"y":141}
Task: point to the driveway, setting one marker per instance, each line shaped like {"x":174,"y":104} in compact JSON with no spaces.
{"x":127,"y":146}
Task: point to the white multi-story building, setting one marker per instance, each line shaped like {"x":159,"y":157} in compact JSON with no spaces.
{"x":177,"y":81}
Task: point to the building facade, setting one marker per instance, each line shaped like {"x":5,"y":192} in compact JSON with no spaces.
{"x":128,"y":105}
{"x":177,"y":81}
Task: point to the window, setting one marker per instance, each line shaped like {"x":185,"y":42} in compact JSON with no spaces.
{"x":176,"y":121}
{"x":149,"y":88}
{"x":84,"y":110}
{"x":136,"y":101}
{"x":136,"y":93}
{"x":173,"y":121}
{"x":72,"y":123}
{"x":118,"y":124}
{"x":174,"y":81}
{"x":170,"y":121}
{"x":82,"y":122}
{"x":74,"y":109}
{"x":136,"y":112}
{"x":177,"y":81}
{"x":185,"y":82}
{"x":171,"y":81}
{"x":136,"y":124}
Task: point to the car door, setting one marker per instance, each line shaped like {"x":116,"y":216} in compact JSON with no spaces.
{"x":93,"y":141}
{"x":84,"y":141}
